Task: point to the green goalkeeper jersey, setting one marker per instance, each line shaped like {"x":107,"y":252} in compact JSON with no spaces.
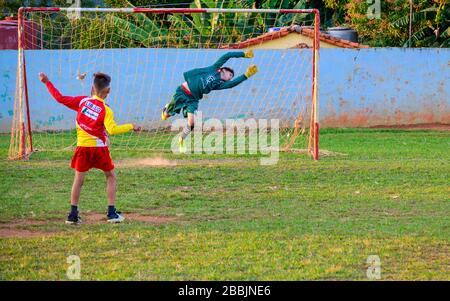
{"x":204,"y":80}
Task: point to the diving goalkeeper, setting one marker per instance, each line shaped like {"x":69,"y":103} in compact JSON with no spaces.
{"x":202,"y":81}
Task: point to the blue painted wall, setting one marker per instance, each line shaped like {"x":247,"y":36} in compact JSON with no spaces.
{"x":358,"y":88}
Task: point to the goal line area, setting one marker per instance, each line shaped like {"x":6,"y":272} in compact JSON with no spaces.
{"x":147,"y":51}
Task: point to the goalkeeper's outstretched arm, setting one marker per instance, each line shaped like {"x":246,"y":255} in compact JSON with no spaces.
{"x":251,"y":70}
{"x":234,"y":54}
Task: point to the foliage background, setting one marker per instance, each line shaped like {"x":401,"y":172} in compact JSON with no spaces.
{"x":430,"y":18}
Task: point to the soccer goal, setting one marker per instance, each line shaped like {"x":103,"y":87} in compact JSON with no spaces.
{"x":146,"y":51}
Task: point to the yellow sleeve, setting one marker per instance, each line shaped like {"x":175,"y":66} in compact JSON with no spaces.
{"x":112,"y":127}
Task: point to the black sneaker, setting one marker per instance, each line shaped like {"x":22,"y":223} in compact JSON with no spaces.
{"x":73,"y":220}
{"x":115,"y":217}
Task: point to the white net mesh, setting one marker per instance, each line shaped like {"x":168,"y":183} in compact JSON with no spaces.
{"x":146,"y":55}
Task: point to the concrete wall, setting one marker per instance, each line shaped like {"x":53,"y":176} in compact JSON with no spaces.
{"x":358,"y":88}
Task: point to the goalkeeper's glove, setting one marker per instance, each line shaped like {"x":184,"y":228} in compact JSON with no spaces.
{"x":248,"y":54}
{"x":251,"y":70}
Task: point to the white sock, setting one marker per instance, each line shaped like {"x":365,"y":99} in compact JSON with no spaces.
{"x":186,"y":131}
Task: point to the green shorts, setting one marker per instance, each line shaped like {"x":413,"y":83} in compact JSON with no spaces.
{"x":182,"y":102}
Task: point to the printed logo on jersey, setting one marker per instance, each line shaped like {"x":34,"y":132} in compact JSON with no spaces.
{"x":93,"y":107}
{"x":211,"y":78}
{"x":89,"y":113}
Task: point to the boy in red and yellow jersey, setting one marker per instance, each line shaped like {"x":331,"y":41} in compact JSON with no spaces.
{"x":94,"y":121}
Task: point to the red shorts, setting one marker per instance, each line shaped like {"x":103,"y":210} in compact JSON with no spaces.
{"x":86,"y":158}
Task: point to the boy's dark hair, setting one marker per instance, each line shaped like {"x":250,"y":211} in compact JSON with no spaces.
{"x":228,"y":69}
{"x":101,"y":81}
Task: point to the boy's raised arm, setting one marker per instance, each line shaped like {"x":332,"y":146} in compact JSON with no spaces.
{"x":69,"y":101}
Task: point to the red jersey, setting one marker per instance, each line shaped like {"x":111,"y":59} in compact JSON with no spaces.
{"x":95,"y":119}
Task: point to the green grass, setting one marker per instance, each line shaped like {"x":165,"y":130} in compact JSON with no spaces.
{"x":387,"y":194}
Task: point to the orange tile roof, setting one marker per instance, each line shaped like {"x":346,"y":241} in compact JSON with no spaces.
{"x":284,"y":31}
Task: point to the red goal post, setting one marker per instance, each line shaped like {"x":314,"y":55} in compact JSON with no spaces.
{"x":21,"y":135}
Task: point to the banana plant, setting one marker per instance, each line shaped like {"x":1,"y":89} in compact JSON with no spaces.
{"x":290,"y":19}
{"x":211,"y":30}
{"x":431,"y":27}
{"x":139,"y":29}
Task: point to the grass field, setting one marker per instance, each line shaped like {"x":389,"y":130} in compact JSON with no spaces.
{"x":221,"y":217}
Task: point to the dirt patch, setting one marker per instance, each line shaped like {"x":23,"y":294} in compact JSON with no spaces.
{"x":97,"y":218}
{"x":144,"y":162}
{"x":150,"y":219}
{"x":22,"y":233}
{"x":161,"y":162}
{"x":30,"y":228}
{"x":24,"y":223}
{"x":424,"y":126}
{"x":23,"y":228}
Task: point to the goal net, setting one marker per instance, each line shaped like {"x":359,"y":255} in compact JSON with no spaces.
{"x":146,"y":51}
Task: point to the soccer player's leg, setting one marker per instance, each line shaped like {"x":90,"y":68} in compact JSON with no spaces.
{"x":186,"y":131}
{"x":188,"y":112}
{"x":168,"y":110}
{"x":175,"y":105}
{"x":73,"y":218}
{"x":103,"y":161}
{"x":81,"y":162}
{"x":113,"y":216}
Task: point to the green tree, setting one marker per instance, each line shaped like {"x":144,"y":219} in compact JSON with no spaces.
{"x":11,"y":7}
{"x":430,"y":23}
{"x":431,"y":26}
